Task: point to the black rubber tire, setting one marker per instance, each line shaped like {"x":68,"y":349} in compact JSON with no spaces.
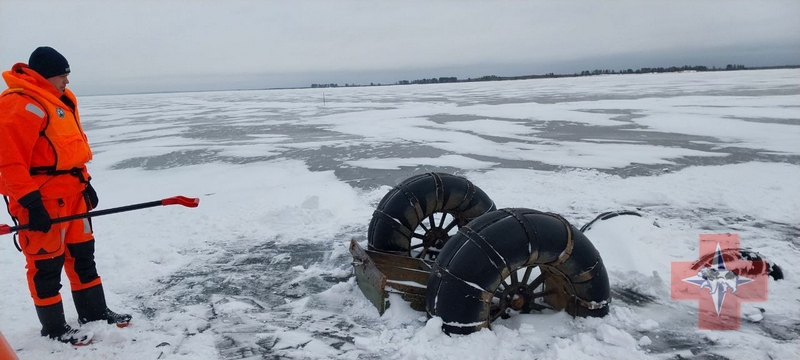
{"x":417,"y":199}
{"x":464,"y":286}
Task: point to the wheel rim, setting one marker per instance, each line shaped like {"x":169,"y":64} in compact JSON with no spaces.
{"x":524,"y":290}
{"x":431,"y":234}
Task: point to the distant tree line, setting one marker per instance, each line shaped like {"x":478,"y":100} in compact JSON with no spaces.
{"x":648,"y":70}
{"x":645,"y":70}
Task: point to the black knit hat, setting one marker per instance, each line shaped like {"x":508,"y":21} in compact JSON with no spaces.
{"x":48,"y":62}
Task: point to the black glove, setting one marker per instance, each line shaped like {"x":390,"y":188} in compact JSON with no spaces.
{"x":38,"y":218}
{"x":91,"y":196}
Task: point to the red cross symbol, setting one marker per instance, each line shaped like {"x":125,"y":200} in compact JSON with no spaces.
{"x":720,"y":280}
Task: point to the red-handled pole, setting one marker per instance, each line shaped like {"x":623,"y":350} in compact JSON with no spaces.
{"x":176,"y":200}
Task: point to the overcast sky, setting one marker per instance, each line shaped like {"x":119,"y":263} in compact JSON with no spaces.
{"x":143,"y":46}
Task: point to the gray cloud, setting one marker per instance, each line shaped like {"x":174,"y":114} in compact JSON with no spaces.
{"x":182,"y":45}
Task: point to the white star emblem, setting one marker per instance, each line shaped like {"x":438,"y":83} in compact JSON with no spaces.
{"x":718,"y":279}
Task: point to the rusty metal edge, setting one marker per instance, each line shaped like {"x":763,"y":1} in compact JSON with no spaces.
{"x":369,"y":279}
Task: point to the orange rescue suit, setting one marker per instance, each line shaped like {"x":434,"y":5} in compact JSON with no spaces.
{"x":36,"y":108}
{"x":43,"y":147}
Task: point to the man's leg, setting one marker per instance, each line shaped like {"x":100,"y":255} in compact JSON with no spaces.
{"x":44,"y":259}
{"x":86,"y":285}
{"x":44,"y":282}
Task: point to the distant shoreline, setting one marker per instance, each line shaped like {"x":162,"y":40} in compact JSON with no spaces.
{"x":647,"y":70}
{"x":448,"y":80}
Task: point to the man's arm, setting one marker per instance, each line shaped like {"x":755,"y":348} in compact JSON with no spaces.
{"x":21,"y":120}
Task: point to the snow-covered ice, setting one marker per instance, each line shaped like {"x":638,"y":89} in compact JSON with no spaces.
{"x":261,"y":268}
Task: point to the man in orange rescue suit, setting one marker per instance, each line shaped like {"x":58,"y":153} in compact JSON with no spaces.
{"x":43,"y":156}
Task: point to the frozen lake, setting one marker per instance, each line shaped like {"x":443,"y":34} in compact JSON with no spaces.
{"x":287,"y":177}
{"x":622,"y":125}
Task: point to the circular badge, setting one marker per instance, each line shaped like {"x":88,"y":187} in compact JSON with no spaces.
{"x":60,"y":112}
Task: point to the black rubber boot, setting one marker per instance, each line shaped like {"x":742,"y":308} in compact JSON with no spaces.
{"x":91,"y":306}
{"x":55,"y":326}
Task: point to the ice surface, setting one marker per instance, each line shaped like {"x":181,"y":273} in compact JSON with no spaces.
{"x":261,"y":269}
